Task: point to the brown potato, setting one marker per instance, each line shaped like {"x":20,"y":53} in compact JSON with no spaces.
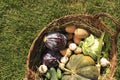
{"x":70,"y":29}
{"x":66,"y":52}
{"x":76,"y":39}
{"x":69,"y":36}
{"x":81,"y":33}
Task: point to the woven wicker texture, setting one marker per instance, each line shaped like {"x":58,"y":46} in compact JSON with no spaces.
{"x":92,"y":23}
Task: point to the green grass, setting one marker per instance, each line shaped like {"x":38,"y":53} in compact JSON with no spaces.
{"x":22,"y":20}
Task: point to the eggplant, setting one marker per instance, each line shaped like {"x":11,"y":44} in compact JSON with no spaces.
{"x":55,"y":41}
{"x":50,"y":58}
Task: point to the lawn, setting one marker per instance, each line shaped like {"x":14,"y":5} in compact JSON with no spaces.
{"x":22,"y":20}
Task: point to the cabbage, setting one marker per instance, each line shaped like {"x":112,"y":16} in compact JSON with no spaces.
{"x":92,"y":46}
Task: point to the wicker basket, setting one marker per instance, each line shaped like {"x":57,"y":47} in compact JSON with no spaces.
{"x":92,"y":23}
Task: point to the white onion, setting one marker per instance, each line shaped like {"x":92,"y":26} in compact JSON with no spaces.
{"x":64,"y":59}
{"x":104,"y":62}
{"x":72,"y":46}
{"x":43,"y":68}
{"x":61,"y":65}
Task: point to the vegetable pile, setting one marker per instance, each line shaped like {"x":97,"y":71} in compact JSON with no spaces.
{"x":74,"y":54}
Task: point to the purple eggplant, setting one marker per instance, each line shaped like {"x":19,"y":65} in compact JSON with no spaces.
{"x":50,"y":58}
{"x":55,"y":41}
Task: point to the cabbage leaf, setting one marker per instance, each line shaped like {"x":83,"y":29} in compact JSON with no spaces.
{"x":92,"y":46}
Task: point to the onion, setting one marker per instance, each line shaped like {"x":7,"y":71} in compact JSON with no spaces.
{"x":78,"y":50}
{"x":72,"y":46}
{"x":104,"y":62}
{"x":43,"y":68}
{"x":64,"y":59}
{"x":61,"y":65}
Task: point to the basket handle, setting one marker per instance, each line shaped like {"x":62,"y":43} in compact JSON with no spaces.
{"x":117,"y":27}
{"x":114,"y":36}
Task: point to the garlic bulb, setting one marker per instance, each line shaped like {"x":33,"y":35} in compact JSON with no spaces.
{"x":104,"y":62}
{"x":64,"y":59}
{"x":43,"y":68}
{"x":72,"y":46}
{"x":78,"y":50}
{"x":61,"y":65}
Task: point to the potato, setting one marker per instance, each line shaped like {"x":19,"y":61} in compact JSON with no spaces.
{"x":81,"y":33}
{"x":69,"y":36}
{"x":76,"y":39}
{"x":66,"y":52}
{"x":70,"y":29}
